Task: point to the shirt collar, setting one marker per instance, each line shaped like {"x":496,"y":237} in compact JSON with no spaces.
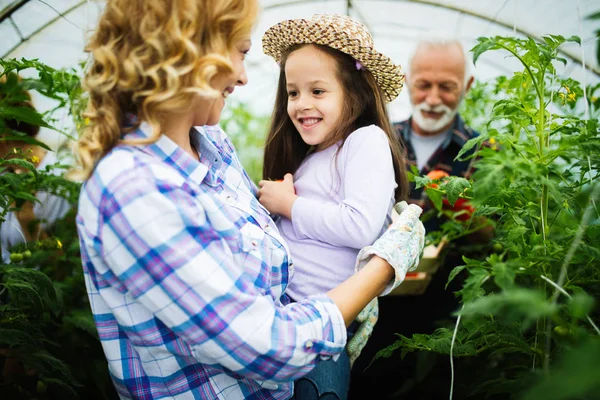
{"x":460,"y":132}
{"x":169,"y":152}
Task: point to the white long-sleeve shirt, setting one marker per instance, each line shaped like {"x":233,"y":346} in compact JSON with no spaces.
{"x":344,"y":204}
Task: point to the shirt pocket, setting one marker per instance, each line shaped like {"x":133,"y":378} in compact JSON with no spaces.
{"x":252,"y":237}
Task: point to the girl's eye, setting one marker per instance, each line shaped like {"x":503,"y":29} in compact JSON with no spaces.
{"x":292,"y":93}
{"x":244,"y":53}
{"x":318,"y":91}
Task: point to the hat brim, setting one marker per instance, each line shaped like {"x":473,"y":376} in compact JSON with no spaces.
{"x":280,"y":37}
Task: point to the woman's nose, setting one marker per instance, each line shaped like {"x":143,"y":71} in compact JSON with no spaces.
{"x":242,"y":77}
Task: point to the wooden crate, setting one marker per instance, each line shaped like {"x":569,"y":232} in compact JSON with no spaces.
{"x":414,"y":284}
{"x":433,"y":258}
{"x":417,"y":281}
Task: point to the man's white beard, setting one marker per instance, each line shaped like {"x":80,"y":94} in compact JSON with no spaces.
{"x":431,"y":124}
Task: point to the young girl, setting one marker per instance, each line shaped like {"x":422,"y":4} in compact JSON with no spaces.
{"x":330,"y":129}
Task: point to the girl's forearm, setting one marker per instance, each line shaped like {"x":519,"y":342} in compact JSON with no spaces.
{"x":352,"y":295}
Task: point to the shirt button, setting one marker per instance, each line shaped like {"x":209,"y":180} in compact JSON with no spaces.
{"x":254,"y":243}
{"x":269,"y":385}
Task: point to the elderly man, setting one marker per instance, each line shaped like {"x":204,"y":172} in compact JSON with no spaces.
{"x":438,"y":78}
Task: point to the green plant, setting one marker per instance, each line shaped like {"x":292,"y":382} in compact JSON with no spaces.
{"x":532,"y":298}
{"x":596,"y":16}
{"x":248,"y":133}
{"x":48,"y":341}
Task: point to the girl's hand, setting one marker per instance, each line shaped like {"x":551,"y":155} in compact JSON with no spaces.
{"x":278,"y":196}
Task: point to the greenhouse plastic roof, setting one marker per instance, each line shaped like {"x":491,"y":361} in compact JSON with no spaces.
{"x":54,"y":31}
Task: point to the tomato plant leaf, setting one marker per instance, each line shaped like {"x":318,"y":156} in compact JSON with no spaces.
{"x":453,"y":274}
{"x":435,"y":197}
{"x":580,"y":305}
{"x":455,"y":187}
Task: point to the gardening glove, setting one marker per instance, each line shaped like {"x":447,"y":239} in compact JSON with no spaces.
{"x":401,"y":245}
{"x":367,"y":318}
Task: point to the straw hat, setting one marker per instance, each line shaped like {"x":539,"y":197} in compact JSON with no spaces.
{"x":341,"y":33}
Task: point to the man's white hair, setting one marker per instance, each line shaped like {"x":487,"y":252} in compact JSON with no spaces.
{"x":438,"y":41}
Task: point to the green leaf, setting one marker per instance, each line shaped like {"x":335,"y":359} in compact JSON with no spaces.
{"x":516,"y":233}
{"x":576,"y":375}
{"x":26,"y":196}
{"x":580,"y":305}
{"x":476,"y":141}
{"x":513,"y":343}
{"x":20,"y":163}
{"x":453,"y":274}
{"x":23,"y":138}
{"x":562,"y":60}
{"x":439,"y":342}
{"x":388,"y":351}
{"x":421,"y":181}
{"x":575,"y":39}
{"x":487,"y":181}
{"x":435,"y":196}
{"x":28,"y":286}
{"x":23,"y":114}
{"x":486,"y":210}
{"x":82,"y":319}
{"x":14,"y":337}
{"x":504,"y":276}
{"x":511,"y":305}
{"x":472,"y":287}
{"x":485,"y":44}
{"x":45,"y":363}
{"x":455,"y":187}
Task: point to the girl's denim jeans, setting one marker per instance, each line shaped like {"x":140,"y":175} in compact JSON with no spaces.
{"x":329,"y":380}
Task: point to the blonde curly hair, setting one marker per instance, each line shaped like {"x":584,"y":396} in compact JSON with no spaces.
{"x":150,"y":58}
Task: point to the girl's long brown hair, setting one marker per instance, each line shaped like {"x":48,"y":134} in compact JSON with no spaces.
{"x":152,"y":57}
{"x":364,"y":104}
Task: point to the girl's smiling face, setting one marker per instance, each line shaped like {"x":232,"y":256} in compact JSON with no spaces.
{"x":315,"y":95}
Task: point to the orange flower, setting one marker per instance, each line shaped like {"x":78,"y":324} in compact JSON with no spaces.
{"x":436,"y":174}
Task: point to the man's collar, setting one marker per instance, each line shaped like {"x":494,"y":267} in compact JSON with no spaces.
{"x":460,"y":132}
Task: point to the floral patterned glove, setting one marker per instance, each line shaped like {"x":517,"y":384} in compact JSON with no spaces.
{"x":401,"y":245}
{"x":367,"y":318}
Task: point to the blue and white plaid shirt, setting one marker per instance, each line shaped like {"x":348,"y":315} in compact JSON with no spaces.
{"x":186,"y":274}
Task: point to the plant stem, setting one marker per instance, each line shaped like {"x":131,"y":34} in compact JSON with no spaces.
{"x":451,"y":356}
{"x":563,"y":291}
{"x":543,"y":140}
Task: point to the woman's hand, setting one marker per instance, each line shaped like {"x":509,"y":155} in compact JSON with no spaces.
{"x":278,"y":196}
{"x":401,"y":245}
{"x":368,"y":318}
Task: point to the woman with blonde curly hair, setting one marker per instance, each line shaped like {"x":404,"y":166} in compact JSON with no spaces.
{"x":185,"y":270}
